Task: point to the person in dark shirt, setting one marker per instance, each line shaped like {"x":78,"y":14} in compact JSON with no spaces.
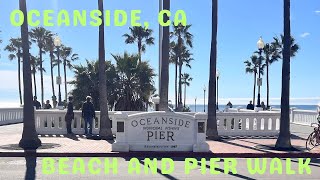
{"x":88,"y":113}
{"x":47,"y":105}
{"x":250,"y":106}
{"x":36,"y":103}
{"x":70,"y":115}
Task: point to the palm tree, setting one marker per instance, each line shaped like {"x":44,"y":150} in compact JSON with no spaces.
{"x":184,"y":38}
{"x":15,"y":47}
{"x":284,"y":141}
{"x":186,"y":79}
{"x":252,"y":67}
{"x":136,"y":83}
{"x":185,"y":58}
{"x":39,"y":35}
{"x":29,"y":138}
{"x":271,"y":55}
{"x":68,"y":57}
{"x":278,"y":43}
{"x":35,"y":66}
{"x":212,"y":131}
{"x":49,"y":47}
{"x":141,"y":36}
{"x":105,"y":123}
{"x":174,"y":60}
{"x":163,"y":106}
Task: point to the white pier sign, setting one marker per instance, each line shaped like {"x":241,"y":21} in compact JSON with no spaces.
{"x":160,"y":131}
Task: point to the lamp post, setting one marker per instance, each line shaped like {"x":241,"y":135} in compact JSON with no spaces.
{"x":217,"y":75}
{"x":260,"y":45}
{"x":204,"y":98}
{"x":57,"y":43}
{"x":267,"y":63}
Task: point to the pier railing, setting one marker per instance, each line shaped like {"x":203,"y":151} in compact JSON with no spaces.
{"x":11,"y":115}
{"x":229,"y":123}
{"x":53,"y":122}
{"x":234,"y":122}
{"x":303,"y":117}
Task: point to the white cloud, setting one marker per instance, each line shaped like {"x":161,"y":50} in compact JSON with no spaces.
{"x":305,"y":35}
{"x":317,"y":12}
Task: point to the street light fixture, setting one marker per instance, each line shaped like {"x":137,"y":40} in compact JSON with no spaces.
{"x":217,"y":75}
{"x":260,"y":45}
{"x":204,"y":98}
{"x":57,"y":44}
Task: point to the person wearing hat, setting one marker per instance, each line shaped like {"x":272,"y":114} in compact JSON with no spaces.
{"x":88,"y":113}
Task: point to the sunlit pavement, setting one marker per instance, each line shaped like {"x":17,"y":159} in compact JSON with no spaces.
{"x":15,"y":167}
{"x":11,"y":134}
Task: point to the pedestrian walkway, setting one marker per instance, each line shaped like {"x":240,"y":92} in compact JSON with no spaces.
{"x":231,"y":146}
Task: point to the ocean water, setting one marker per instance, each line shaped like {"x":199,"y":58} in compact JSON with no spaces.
{"x":200,"y":108}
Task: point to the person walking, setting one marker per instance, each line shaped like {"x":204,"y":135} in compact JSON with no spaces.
{"x":70,"y":115}
{"x":88,"y":113}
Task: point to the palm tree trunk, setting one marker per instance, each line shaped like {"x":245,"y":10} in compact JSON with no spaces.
{"x":284,"y":141}
{"x":185,"y":95}
{"x":105,"y":123}
{"x":29,"y":138}
{"x":139,"y":49}
{"x":254,"y":88}
{"x":163,"y":106}
{"x":212,"y":131}
{"x":176,"y":84}
{"x":19,"y":77}
{"x":41,"y":74}
{"x":180,"y":87}
{"x":34,"y":81}
{"x":267,"y":81}
{"x":65,"y":80}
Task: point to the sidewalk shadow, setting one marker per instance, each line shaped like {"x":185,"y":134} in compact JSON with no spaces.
{"x":98,"y":138}
{"x":293,"y":136}
{"x":31,"y":164}
{"x":229,"y":173}
{"x":244,"y":146}
{"x":72,"y":137}
{"x":168,"y":176}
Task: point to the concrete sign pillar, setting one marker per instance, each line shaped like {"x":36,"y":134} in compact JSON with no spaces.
{"x":160,"y":131}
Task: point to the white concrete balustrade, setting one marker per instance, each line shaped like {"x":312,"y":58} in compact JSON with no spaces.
{"x":303,"y":117}
{"x":11,"y":115}
{"x":229,"y":123}
{"x":53,"y":122}
{"x":237,"y":122}
{"x":248,"y":123}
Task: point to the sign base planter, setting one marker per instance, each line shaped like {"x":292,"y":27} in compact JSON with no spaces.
{"x":160,"y":132}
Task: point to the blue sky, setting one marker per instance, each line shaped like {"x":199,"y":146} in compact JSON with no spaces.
{"x":241,"y":23}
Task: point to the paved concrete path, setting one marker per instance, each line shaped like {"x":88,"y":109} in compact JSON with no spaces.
{"x":11,"y":134}
{"x":31,"y":167}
